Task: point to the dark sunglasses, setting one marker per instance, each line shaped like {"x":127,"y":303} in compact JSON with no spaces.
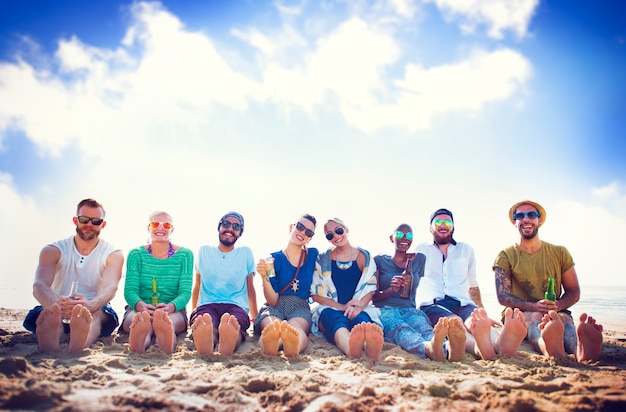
{"x":338,"y":230}
{"x":96,"y":221}
{"x":300,"y":227}
{"x":523,"y":215}
{"x":400,"y":235}
{"x":439,"y":222}
{"x":166,"y":225}
{"x":226,"y":224}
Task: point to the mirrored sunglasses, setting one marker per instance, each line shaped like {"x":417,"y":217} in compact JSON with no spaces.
{"x":166,"y":225}
{"x":400,"y":234}
{"x":523,"y":215}
{"x":439,"y":222}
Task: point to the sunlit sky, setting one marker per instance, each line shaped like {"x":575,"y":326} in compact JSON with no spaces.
{"x":377,"y":112}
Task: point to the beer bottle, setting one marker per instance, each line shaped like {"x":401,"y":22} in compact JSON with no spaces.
{"x":407,"y":275}
{"x":550,"y":294}
{"x":156,"y":297}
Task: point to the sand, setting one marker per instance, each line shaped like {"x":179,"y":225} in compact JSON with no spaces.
{"x":108,"y":377}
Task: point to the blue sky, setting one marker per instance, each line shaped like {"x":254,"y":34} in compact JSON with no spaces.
{"x":378,"y":112}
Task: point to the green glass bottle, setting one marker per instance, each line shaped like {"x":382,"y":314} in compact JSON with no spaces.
{"x":550,"y":294}
{"x":155,"y":298}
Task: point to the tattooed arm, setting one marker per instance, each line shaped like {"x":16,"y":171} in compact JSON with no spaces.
{"x":503,"y":290}
{"x":474,"y":294}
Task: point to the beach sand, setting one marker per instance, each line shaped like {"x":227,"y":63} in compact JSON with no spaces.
{"x":108,"y":377}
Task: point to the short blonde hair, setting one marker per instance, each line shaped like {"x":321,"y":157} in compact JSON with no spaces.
{"x":157,"y":213}
{"x":336,"y":220}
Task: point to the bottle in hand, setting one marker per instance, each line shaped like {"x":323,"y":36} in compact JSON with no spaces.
{"x":550,"y":294}
{"x":72,"y":295}
{"x":155,"y":298}
{"x":407,"y":275}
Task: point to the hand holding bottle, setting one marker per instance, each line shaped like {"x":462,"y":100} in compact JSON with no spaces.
{"x":68,"y":302}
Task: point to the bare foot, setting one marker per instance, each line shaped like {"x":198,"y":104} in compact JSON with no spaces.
{"x":80,"y":322}
{"x":202,"y":334}
{"x":480,"y":327}
{"x":589,"y":335}
{"x":356,"y":340}
{"x":374,"y":340}
{"x":291,"y":339}
{"x":456,"y":339}
{"x":551,"y":342}
{"x":138,"y":332}
{"x":49,"y":328}
{"x":164,"y":331}
{"x":434,"y":348}
{"x":513,"y":333}
{"x":270,"y":338}
{"x":229,"y":334}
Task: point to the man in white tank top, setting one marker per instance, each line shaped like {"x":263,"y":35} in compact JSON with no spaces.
{"x":85,"y":313}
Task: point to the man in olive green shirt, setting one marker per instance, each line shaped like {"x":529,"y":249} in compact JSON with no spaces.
{"x":522,"y":272}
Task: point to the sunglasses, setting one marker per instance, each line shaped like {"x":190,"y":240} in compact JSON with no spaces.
{"x":300,"y":227}
{"x":166,"y":225}
{"x":439,"y":222}
{"x":96,"y":221}
{"x":400,"y":235}
{"x":338,"y":230}
{"x":226,"y":224}
{"x":523,"y":215}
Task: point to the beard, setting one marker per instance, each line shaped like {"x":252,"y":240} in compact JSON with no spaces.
{"x":227,"y":241}
{"x":87,"y":236}
{"x":441,"y":239}
{"x":529,"y":236}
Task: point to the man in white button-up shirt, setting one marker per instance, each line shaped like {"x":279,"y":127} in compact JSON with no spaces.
{"x":450,"y":289}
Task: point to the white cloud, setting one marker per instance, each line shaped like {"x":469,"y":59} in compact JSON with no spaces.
{"x":499,"y":15}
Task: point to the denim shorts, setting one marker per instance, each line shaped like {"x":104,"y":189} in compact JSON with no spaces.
{"x":108,"y":326}
{"x":447,"y":306}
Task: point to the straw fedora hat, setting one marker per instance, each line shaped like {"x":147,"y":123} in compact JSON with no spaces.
{"x":540,"y":209}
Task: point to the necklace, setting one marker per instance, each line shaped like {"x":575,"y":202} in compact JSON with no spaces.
{"x":347,"y":264}
{"x":170,"y":252}
{"x":344,"y":265}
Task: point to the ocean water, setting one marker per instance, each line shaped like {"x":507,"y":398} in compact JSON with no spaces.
{"x":601,"y":302}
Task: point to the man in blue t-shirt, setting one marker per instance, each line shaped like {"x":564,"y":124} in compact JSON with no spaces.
{"x":224,"y":292}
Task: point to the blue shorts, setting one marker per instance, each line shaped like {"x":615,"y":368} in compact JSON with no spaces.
{"x":445,"y":307}
{"x":108,"y":326}
{"x":332,"y":320}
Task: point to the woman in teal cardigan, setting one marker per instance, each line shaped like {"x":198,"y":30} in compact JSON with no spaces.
{"x":168,"y":269}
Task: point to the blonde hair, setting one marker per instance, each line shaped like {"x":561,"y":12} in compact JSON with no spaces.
{"x":336,"y":220}
{"x":157,"y":213}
